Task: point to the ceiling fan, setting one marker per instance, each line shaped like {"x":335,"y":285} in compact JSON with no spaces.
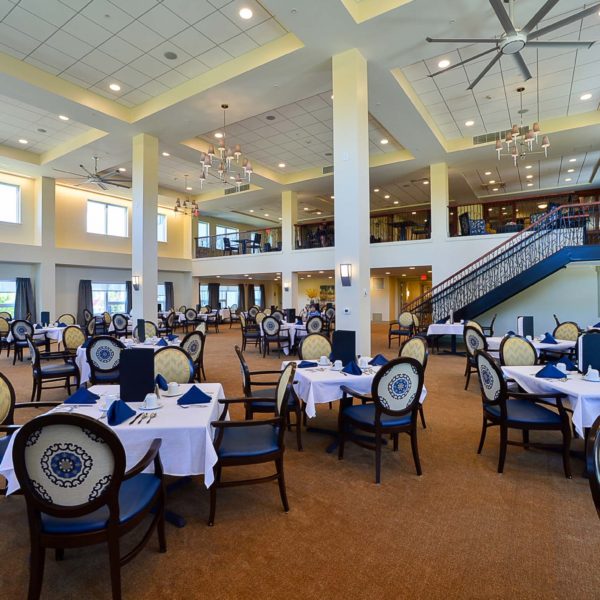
{"x":514,"y":39}
{"x":100,"y":178}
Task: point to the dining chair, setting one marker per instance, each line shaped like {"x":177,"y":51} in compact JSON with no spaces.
{"x":106,"y":321}
{"x":120,"y":324}
{"x":250,"y":332}
{"x":104,"y":356}
{"x":488,"y":330}
{"x":314,"y":325}
{"x":313,"y":346}
{"x":201,"y":327}
{"x":191,"y":318}
{"x":391,"y":409}
{"x":212,"y":319}
{"x":474,"y":340}
{"x":234,"y":316}
{"x":515,"y":410}
{"x":569,"y":331}
{"x":253,"y":311}
{"x":71,"y":469}
{"x":517,"y":351}
{"x":182,"y":309}
{"x":229,"y":248}
{"x":239,"y":443}
{"x":67,"y":319}
{"x":277,"y":314}
{"x":476,"y":325}
{"x":593,"y":462}
{"x":193,"y":343}
{"x":174,"y":364}
{"x":87,"y":315}
{"x":72,"y":338}
{"x":20,"y":329}
{"x":4,"y":331}
{"x":150,"y":330}
{"x":416,"y":347}
{"x":258,"y":318}
{"x":4,"y":314}
{"x":273,"y":334}
{"x":402,"y":328}
{"x":168,"y":324}
{"x":255,"y":243}
{"x":90,"y":327}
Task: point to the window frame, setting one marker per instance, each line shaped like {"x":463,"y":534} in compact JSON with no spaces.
{"x":205,"y":238}
{"x":110,"y":307}
{"x":165,"y":227}
{"x":106,"y":206}
{"x":226,"y":232}
{"x":18,"y":203}
{"x":7,"y":306}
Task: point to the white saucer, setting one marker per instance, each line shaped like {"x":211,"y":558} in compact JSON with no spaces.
{"x":167,"y":395}
{"x":327,"y":364}
{"x":150,"y":409}
{"x":337,"y":369}
{"x":591,"y":380}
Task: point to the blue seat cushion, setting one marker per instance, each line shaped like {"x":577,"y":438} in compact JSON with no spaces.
{"x":269,"y":393}
{"x":60,"y":369}
{"x":253,"y":440}
{"x":106,"y":375}
{"x":365,"y":414}
{"x":399,"y":332}
{"x":4,"y":445}
{"x":525,"y":411}
{"x":134,"y":496}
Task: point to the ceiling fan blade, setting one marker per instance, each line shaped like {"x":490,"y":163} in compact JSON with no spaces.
{"x":484,"y":72}
{"x":462,"y":62}
{"x":522,"y":66}
{"x":89,"y":174}
{"x":576,"y":17}
{"x":127,"y":187}
{"x":464,"y":40}
{"x":543,"y":44}
{"x":503,"y":16}
{"x":101,"y":186}
{"x":69,"y":172}
{"x":539,"y":15}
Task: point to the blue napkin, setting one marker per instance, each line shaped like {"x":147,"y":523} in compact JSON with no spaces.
{"x":548,"y":339}
{"x":161,"y":382}
{"x":118,"y":412}
{"x":597,"y":324}
{"x":510,"y":332}
{"x":298,"y":320}
{"x":62,"y":324}
{"x":441,"y":321}
{"x":194,"y":396}
{"x":550,"y":372}
{"x":86,"y":343}
{"x":82,"y":396}
{"x":162,"y":342}
{"x":379,"y":361}
{"x":307,"y":363}
{"x":565,"y":360}
{"x":38,"y":326}
{"x":352,"y":368}
{"x":172,"y":337}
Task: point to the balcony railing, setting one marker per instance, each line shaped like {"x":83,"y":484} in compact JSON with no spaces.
{"x":314,"y":235}
{"x":243,"y":242}
{"x":401,"y":226}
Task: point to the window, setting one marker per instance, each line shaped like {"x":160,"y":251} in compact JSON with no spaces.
{"x":162,"y":228}
{"x":229,"y":232}
{"x":203,"y":234}
{"x":10,"y":203}
{"x":8,"y":291}
{"x":109,"y":297}
{"x":106,"y":219}
{"x":203,"y":294}
{"x":228,"y":295}
{"x":162,"y":296}
{"x":258,"y":299}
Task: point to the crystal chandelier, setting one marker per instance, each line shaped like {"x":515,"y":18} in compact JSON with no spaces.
{"x":523,"y":141}
{"x":231,"y":168}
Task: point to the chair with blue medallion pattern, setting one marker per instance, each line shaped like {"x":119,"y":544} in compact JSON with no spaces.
{"x":20,"y":329}
{"x":392,"y":408}
{"x":174,"y":364}
{"x":71,"y":469}
{"x":474,"y":340}
{"x":104,"y":356}
{"x":273,"y":334}
{"x":120,"y":324}
{"x":525,"y":412}
{"x":193,"y":343}
{"x":593,"y":462}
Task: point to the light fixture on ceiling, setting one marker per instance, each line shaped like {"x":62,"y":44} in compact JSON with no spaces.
{"x":63,"y":117}
{"x":187,"y":207}
{"x":122,"y":170}
{"x":570,"y":170}
{"x":23,"y":141}
{"x":586,"y":96}
{"x":332,"y":197}
{"x":251,"y":210}
{"x":115,"y":87}
{"x":166,"y":154}
{"x":568,"y":179}
{"x":444,"y":64}
{"x":542,"y":206}
{"x":281,"y":165}
{"x":396,"y":202}
{"x":245,"y":13}
{"x":387,"y":196}
{"x":414,"y":212}
{"x":488,"y":173}
{"x":530,"y":185}
{"x":319,"y":212}
{"x":469,"y":123}
{"x":494,"y":189}
{"x":387,"y":273}
{"x":384,"y":141}
{"x":218,"y":135}
{"x":425,"y":181}
{"x":529,"y":177}
{"x":266,"y":214}
{"x":572,"y":160}
{"x":492,"y":181}
{"x":376,"y":190}
{"x":520,"y":140}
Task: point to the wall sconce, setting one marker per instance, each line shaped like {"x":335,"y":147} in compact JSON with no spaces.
{"x":346,"y":275}
{"x":286,"y":286}
{"x":135,"y":282}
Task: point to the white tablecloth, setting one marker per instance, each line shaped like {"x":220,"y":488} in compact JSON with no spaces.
{"x":52,"y":333}
{"x":293,"y":329}
{"x":223,"y":313}
{"x":187,"y":437}
{"x":561,"y":346}
{"x":583,"y":396}
{"x":179,"y":316}
{"x":446,"y":329}
{"x":321,"y":385}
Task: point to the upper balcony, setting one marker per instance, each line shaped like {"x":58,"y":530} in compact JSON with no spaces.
{"x":243,"y":242}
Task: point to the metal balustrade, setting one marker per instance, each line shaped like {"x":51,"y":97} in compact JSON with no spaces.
{"x":243,"y":242}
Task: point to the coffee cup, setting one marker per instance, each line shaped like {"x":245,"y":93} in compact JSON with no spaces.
{"x":151,"y":401}
{"x":529,"y":338}
{"x":337,"y":365}
{"x":363,"y":362}
{"x":173,"y":388}
{"x":592,"y":374}
{"x":109,"y":399}
{"x":561,"y":367}
{"x":323,"y":360}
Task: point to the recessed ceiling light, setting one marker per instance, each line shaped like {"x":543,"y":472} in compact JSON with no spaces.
{"x":280,"y":218}
{"x":332,"y":197}
{"x":122,"y":169}
{"x":585,"y":96}
{"x":387,"y":273}
{"x":218,"y":276}
{"x":115,"y":87}
{"x":488,"y":173}
{"x":376,"y":190}
{"x":528,"y":176}
{"x":412,"y":268}
{"x":166,"y":154}
{"x":528,"y":167}
{"x":414,"y":212}
{"x":302,"y":278}
{"x":469,"y":123}
{"x":490,"y":209}
{"x":63,"y":117}
{"x":189,"y":188}
{"x":572,"y":160}
{"x":281,"y":165}
{"x":232,"y":177}
{"x":387,"y":196}
{"x":494,"y":189}
{"x":444,"y":63}
{"x":395,"y":201}
{"x":570,"y":170}
{"x":321,"y":271}
{"x":332,"y":96}
{"x":245,"y":13}
{"x":23,"y":141}
{"x":306,"y":208}
{"x":542,"y":206}
{"x":492,"y":181}
{"x":251,"y":210}
{"x":426,"y":182}
{"x":330,"y":277}
{"x":309,"y":276}
{"x":385,"y":141}
{"x":568,"y":179}
{"x":403,"y":274}
{"x":266,"y":214}
{"x":529,"y":184}
{"x":429,"y":271}
{"x":218,"y":135}
{"x":170,"y":55}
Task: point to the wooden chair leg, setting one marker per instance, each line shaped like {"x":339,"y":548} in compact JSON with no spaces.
{"x":36,"y":570}
{"x":213,"y":496}
{"x":566,"y":451}
{"x":33,"y":390}
{"x":482,"y":438}
{"x":395,"y":438}
{"x":503,"y":445}
{"x":526,"y":438}
{"x":468,"y":378}
{"x":422,"y":415}
{"x":378,"y":457}
{"x":114,"y":558}
{"x":415,"y":450}
{"x":281,"y":481}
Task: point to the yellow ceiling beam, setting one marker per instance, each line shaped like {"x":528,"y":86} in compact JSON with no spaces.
{"x":363,"y":10}
{"x":75,"y":143}
{"x":20,"y":155}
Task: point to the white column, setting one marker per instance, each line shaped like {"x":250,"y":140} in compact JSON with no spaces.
{"x":351,"y":191}
{"x":289,"y":203}
{"x":440,"y":198}
{"x":45,"y":190}
{"x":144,"y":245}
{"x":289,"y":287}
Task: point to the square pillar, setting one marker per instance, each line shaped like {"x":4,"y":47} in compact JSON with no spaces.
{"x":45,"y":289}
{"x":351,"y":195}
{"x":144,"y":244}
{"x":289,"y":212}
{"x":289,"y":298}
{"x":440,"y":199}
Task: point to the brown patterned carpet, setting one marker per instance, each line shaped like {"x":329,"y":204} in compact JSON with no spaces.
{"x":459,"y":531}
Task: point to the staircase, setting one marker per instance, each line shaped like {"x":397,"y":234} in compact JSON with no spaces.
{"x":569,"y":233}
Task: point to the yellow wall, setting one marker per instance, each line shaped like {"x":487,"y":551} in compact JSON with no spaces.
{"x":24,"y":232}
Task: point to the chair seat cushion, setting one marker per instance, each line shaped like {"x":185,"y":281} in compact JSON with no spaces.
{"x":134,"y":496}
{"x":525,"y":411}
{"x":253,"y":440}
{"x":365,"y":414}
{"x":106,"y":375}
{"x":399,"y":332}
{"x":60,"y":369}
{"x":269,"y":393}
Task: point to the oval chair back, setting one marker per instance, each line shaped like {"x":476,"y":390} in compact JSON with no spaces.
{"x":476,"y":325}
{"x":396,"y":388}
{"x":104,"y":356}
{"x":193,"y":344}
{"x":4,"y":327}
{"x":260,"y":317}
{"x":271,"y":327}
{"x":174,"y":364}
{"x":20,"y":329}
{"x":171,"y":320}
{"x":567,"y":331}
{"x":120,"y":323}
{"x":191,"y":315}
{"x":243,"y":320}
{"x":106,"y":318}
{"x":150,"y":330}
{"x":87,"y":315}
{"x":313,"y":346}
{"x":593,"y":462}
{"x":415,"y":347}
{"x":201,"y":327}
{"x":90,"y":327}
{"x":67,"y":319}
{"x":5,"y":315}
{"x":182,"y":308}
{"x":491,"y":382}
{"x":252,"y":311}
{"x":7,"y":400}
{"x":517,"y":351}
{"x":277,"y":314}
{"x":406,"y":321}
{"x":314,"y":325}
{"x":330,"y":313}
{"x":72,"y":338}
{"x":267,"y":311}
{"x":282,"y":393}
{"x":233,"y":308}
{"x":245,"y":370}
{"x":474,"y":340}
{"x":204,"y":310}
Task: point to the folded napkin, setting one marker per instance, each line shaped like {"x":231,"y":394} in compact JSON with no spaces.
{"x":550,"y":372}
{"x":548,"y":339}
{"x":194,"y":396}
{"x":352,"y":368}
{"x":62,"y":324}
{"x":441,"y":321}
{"x":565,"y":360}
{"x":38,"y":326}
{"x":82,"y":396}
{"x":510,"y":332}
{"x":379,"y":361}
{"x":86,"y":343}
{"x":298,"y":320}
{"x":161,"y":382}
{"x":162,"y":342}
{"x":307,"y":363}
{"x":172,"y":337}
{"x":118,"y":412}
{"x":597,"y":325}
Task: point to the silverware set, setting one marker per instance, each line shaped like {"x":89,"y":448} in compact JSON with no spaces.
{"x":141,"y":417}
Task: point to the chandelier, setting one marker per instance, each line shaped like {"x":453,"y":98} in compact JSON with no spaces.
{"x":187,"y":207}
{"x":231,"y":168}
{"x":522,"y":141}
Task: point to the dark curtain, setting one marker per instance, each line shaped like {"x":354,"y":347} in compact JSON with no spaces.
{"x":84,"y":299}
{"x":251,"y":298}
{"x":169,"y":295}
{"x":241,"y":297}
{"x":128,"y":297}
{"x":24,"y":299}
{"x":263,"y":299}
{"x":213,"y":295}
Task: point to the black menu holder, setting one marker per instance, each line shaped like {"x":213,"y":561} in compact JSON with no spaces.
{"x":141,"y":330}
{"x":159,"y":307}
{"x":588,"y":351}
{"x":343,"y":346}
{"x":45,"y":317}
{"x":136,"y":373}
{"x":290,"y":314}
{"x":525,"y":326}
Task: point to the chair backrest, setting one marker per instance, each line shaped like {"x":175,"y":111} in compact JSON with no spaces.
{"x":243,"y":320}
{"x":226,"y":243}
{"x":277,"y":314}
{"x":314,"y":346}
{"x":343,"y":346}
{"x":104,"y":353}
{"x":476,"y":325}
{"x":87,"y":315}
{"x":120,"y":322}
{"x":406,"y":320}
{"x":567,"y":331}
{"x":257,"y":238}
{"x":267,"y":312}
{"x":517,"y":351}
{"x":182,"y":308}
{"x":593,"y":462}
{"x":416,"y":347}
{"x":21,"y":329}
{"x":245,"y":370}
{"x":4,"y":326}
{"x":107,"y":318}
{"x":253,"y":311}
{"x":397,"y":386}
{"x":72,"y":337}
{"x":284,"y":387}
{"x":314,"y":325}
{"x":7,"y":400}
{"x":69,"y":465}
{"x":191,"y":314}
{"x":193,"y":344}
{"x":330,"y":313}
{"x":171,"y":320}
{"x":34,"y":353}
{"x":5,"y":315}
{"x":233,"y":308}
{"x":150,"y":330}
{"x":491,"y":381}
{"x":474,"y":340}
{"x":270,"y":326}
{"x":204,"y":310}
{"x":174,"y":364}
{"x":201,"y":327}
{"x":90,"y":326}
{"x":260,"y":317}
{"x":67,"y":319}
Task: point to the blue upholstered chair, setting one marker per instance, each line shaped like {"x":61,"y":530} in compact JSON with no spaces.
{"x":20,"y":329}
{"x":525,"y":412}
{"x":392,"y":408}
{"x":593,"y":462}
{"x":402,"y":328}
{"x":273,"y":334}
{"x":253,"y":442}
{"x":474,"y":340}
{"x":174,"y":364}
{"x":104,"y":356}
{"x":120,"y":324}
{"x":71,"y":469}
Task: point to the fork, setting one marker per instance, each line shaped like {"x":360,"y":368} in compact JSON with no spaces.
{"x":152,"y":415}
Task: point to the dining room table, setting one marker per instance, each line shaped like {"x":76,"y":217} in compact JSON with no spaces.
{"x":453,"y":330}
{"x":50,"y":332}
{"x":560,"y":346}
{"x":295,"y":332}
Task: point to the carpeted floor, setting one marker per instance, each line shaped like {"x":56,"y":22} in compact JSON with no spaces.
{"x":459,"y":531}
